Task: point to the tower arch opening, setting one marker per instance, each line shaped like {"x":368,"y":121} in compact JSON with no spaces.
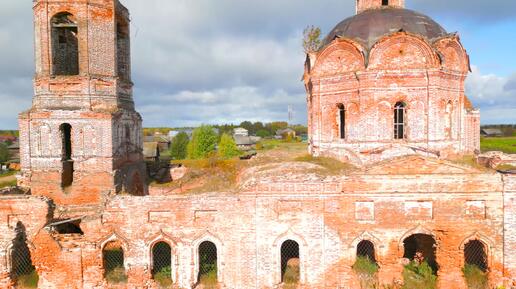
{"x":65,"y":44}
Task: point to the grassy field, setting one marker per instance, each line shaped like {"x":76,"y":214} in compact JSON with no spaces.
{"x":504,"y":144}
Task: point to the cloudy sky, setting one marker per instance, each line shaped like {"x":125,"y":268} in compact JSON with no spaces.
{"x":220,"y":61}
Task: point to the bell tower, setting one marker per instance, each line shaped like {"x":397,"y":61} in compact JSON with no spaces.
{"x":82,"y":138}
{"x":363,"y":5}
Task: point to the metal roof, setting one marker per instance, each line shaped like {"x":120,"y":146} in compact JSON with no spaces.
{"x":369,"y":26}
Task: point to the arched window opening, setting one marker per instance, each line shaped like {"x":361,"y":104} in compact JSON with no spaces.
{"x":162,"y":264}
{"x":23,"y":272}
{"x":342,"y":121}
{"x":365,"y":249}
{"x":448,"y":120}
{"x":385,"y":2}
{"x":290,"y":262}
{"x":399,"y":120}
{"x":123,"y":49}
{"x":113,"y":262}
{"x":65,"y":45}
{"x":475,"y":254}
{"x":207,"y":264}
{"x":420,"y":248}
{"x":66,"y":155}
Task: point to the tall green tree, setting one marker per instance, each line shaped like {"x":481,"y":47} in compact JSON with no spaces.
{"x":203,"y":142}
{"x":228,"y":147}
{"x":4,"y":153}
{"x":179,"y":146}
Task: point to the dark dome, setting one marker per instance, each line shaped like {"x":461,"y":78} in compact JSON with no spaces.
{"x":369,"y":26}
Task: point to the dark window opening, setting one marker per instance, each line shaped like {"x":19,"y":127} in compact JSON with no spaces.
{"x":421,"y":248}
{"x":66,"y":136}
{"x":399,"y":120}
{"x":366,"y":249}
{"x":290,"y":262}
{"x":67,"y":227}
{"x":65,"y":45}
{"x":123,"y":49}
{"x":66,"y":155}
{"x":23,"y":272}
{"x":385,"y":2}
{"x":207,"y":264}
{"x":475,"y":254}
{"x":342,"y":121}
{"x":162,"y":264}
{"x":113,"y":262}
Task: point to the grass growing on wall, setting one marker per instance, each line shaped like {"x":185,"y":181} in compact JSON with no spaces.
{"x":419,"y":276}
{"x":164,"y":277}
{"x":503,"y":144}
{"x":28,"y":281}
{"x":366,"y":271}
{"x":475,"y":277}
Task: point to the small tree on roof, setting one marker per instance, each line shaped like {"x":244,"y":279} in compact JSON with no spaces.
{"x":311,"y":39}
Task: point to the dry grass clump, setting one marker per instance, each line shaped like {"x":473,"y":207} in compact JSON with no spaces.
{"x":329,"y":166}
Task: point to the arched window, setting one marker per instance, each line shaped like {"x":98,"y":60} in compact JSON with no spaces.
{"x":421,"y":248}
{"x":342,"y":121}
{"x":475,"y":254}
{"x":65,"y":45}
{"x":399,"y":120}
{"x":448,"y":120}
{"x":366,"y":249}
{"x":123,"y":49}
{"x":113,"y":262}
{"x":66,"y":155}
{"x":290,"y":262}
{"x":162,"y":264}
{"x":385,"y":2}
{"x":207,"y":264}
{"x":23,"y":272}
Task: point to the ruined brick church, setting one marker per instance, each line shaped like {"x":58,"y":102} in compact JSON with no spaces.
{"x":385,"y":92}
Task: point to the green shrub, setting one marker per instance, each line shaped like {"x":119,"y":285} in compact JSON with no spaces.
{"x":227,"y":147}
{"x":203,"y":142}
{"x":263,"y":133}
{"x":4,"y":153}
{"x":116,"y":275}
{"x":179,"y":146}
{"x":475,"y":277}
{"x":28,"y":281}
{"x":164,"y":277}
{"x":419,"y":276}
{"x":366,"y":271}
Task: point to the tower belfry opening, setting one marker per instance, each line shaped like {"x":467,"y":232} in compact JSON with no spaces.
{"x":65,"y":45}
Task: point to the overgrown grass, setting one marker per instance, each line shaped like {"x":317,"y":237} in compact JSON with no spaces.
{"x":475,"y":277}
{"x":209,"y":279}
{"x":366,"y":271}
{"x":504,"y":144}
{"x":28,"y":281}
{"x":116,"y":275}
{"x":7,"y":174}
{"x":419,"y":276}
{"x":331,"y":166}
{"x":8,"y":184}
{"x":164,"y":277}
{"x":291,"y":276}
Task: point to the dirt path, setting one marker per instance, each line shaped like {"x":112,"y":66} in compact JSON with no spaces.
{"x":7,"y":179}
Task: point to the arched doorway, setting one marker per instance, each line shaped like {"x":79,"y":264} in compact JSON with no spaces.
{"x":162,"y":264}
{"x":421,"y":248}
{"x":208,"y":275}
